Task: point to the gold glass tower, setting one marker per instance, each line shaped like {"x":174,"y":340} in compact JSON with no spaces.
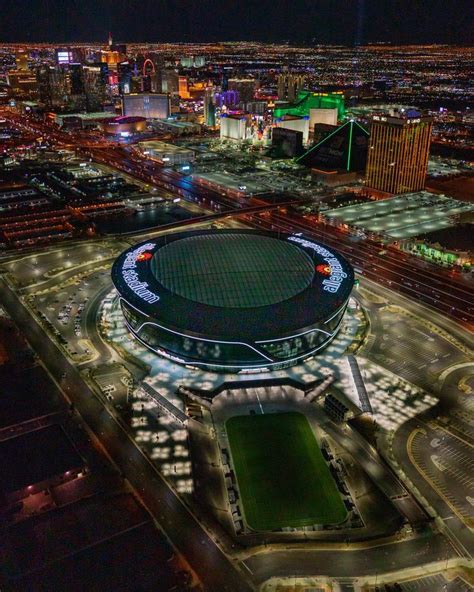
{"x":398,"y":153}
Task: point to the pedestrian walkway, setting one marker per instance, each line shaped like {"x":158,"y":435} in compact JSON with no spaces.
{"x":360,"y":386}
{"x":164,"y":404}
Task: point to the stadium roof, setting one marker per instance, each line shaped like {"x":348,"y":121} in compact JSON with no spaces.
{"x":234,"y":284}
{"x":229,"y":271}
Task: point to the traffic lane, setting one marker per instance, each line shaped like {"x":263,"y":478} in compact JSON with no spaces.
{"x":139,"y":163}
{"x":407,"y":263}
{"x":460,"y":299}
{"x":409,"y":349}
{"x":458,"y":296}
{"x":372,"y":464}
{"x":89,"y":321}
{"x":182,"y":529}
{"x":381,"y":475}
{"x":456,"y":399}
{"x":397,"y":272}
{"x":369,"y":252}
{"x":419,"y":310}
{"x":384,"y":276}
{"x":68,"y":273}
{"x":166,"y":508}
{"x":154,"y":174}
{"x":34,"y":266}
{"x":214,"y":569}
{"x":72,"y":301}
{"x":349,"y":562}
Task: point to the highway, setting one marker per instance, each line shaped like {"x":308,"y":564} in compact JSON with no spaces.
{"x":174,"y":517}
{"x":441,"y":467}
{"x":432,"y":285}
{"x":213,"y":567}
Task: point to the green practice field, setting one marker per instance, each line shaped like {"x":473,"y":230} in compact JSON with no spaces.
{"x":282,"y":476}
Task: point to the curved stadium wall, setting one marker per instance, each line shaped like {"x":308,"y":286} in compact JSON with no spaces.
{"x":233,"y":300}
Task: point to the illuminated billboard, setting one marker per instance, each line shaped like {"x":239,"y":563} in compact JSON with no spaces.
{"x":64,"y":56}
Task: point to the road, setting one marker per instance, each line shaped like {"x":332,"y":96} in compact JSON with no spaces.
{"x":410,"y":347}
{"x":380,"y":474}
{"x":434,"y":353}
{"x":178,"y":522}
{"x":347,"y":563}
{"x":399,"y":272}
{"x":214,"y":568}
{"x":442,"y":289}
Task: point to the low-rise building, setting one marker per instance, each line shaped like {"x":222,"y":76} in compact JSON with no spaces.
{"x":449,"y":246}
{"x":168,"y":154}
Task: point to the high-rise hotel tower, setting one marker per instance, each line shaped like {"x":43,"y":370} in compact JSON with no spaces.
{"x":398,"y":152}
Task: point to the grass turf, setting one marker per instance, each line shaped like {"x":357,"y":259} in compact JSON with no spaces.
{"x":282,"y":476}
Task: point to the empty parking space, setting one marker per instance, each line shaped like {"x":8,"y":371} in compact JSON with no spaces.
{"x":449,"y":464}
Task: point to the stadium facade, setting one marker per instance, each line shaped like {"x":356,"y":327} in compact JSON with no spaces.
{"x":233,"y":300}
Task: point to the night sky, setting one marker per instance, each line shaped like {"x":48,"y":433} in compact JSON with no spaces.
{"x":318,"y":21}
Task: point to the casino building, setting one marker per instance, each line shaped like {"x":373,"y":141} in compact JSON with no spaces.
{"x":233,"y":300}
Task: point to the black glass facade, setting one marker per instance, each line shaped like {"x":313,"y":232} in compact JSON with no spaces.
{"x":233,"y":300}
{"x":228,"y":356}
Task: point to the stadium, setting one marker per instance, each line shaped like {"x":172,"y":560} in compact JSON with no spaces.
{"x":233,"y":300}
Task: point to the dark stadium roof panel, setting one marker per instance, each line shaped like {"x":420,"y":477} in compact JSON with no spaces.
{"x":233,"y":271}
{"x":233,"y":284}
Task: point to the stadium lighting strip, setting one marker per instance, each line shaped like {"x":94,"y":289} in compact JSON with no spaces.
{"x":194,"y":338}
{"x":204,"y":339}
{"x":296,"y":335}
{"x":237,"y":342}
{"x":134,"y":307}
{"x":194,"y":363}
{"x":337,"y":312}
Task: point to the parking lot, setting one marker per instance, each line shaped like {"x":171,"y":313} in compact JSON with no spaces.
{"x":69,"y":311}
{"x":448,"y":462}
{"x":41,"y":267}
{"x":434,"y":583}
{"x":411,"y":349}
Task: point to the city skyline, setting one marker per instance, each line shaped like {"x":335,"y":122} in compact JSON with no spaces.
{"x":236,"y":313}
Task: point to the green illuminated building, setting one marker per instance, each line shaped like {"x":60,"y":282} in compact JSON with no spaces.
{"x":447,"y":246}
{"x":307,"y":100}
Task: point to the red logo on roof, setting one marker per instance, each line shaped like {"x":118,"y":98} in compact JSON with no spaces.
{"x":323,"y":269}
{"x":144,"y":256}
